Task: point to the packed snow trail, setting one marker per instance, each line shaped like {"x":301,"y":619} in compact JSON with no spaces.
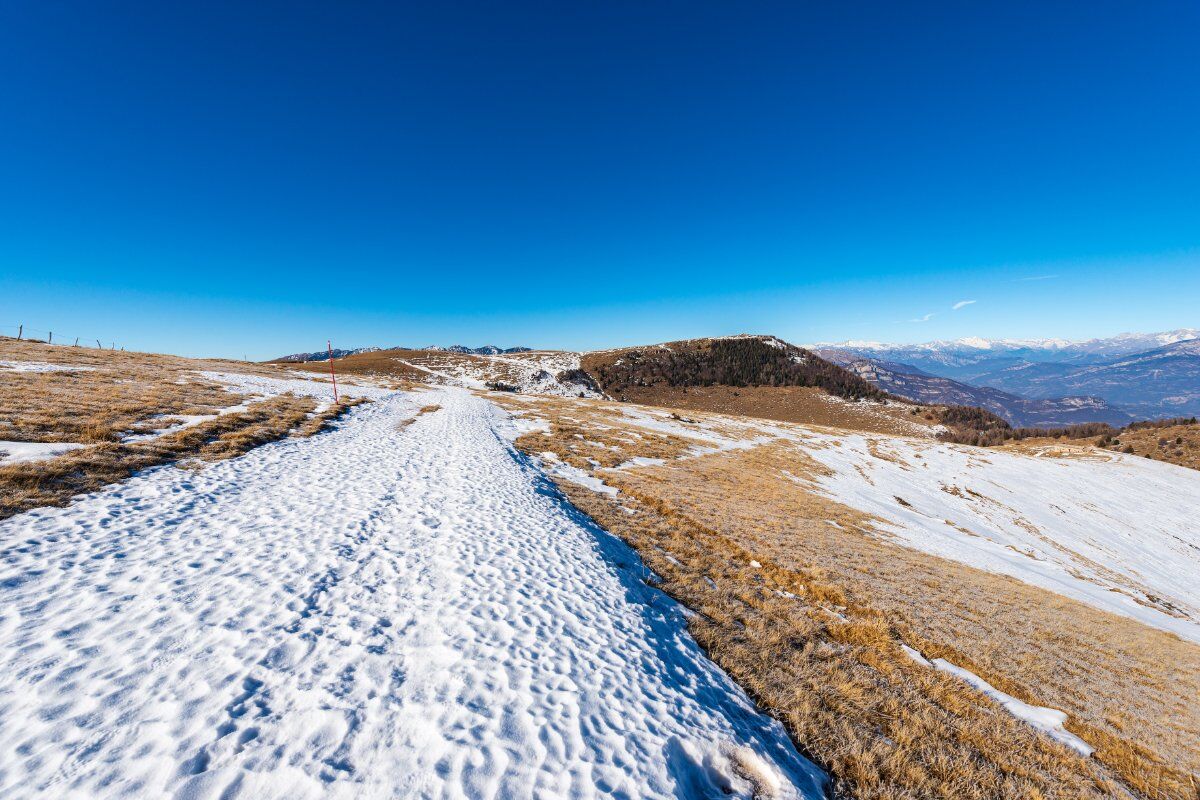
{"x":377,"y":611}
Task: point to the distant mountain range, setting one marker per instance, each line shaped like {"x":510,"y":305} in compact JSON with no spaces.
{"x":907,"y":381}
{"x":970,"y":357}
{"x":1041,"y":381}
{"x":486,"y":350}
{"x":1161,"y":382}
{"x":321,"y":355}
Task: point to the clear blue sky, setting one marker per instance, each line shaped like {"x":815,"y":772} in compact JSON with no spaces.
{"x":252,"y":178}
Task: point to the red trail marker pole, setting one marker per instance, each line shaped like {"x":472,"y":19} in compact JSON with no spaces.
{"x":329,"y":346}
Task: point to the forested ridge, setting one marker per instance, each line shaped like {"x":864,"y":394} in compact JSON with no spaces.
{"x":728,"y":362}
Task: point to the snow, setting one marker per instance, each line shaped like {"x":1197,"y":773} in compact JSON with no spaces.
{"x":42,"y":366}
{"x":662,"y":422}
{"x":915,"y":656}
{"x":376,"y":611}
{"x":19,"y":452}
{"x":265,"y":386}
{"x":531,"y":371}
{"x":560,"y":469}
{"x":457,"y":378}
{"x":538,"y":371}
{"x":640,"y":461}
{"x":1113,"y":531}
{"x":183,"y":422}
{"x":1124,"y":343}
{"x":1049,"y":721}
{"x":260,"y":387}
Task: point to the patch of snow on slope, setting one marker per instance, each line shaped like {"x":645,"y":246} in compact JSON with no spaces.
{"x":553,"y":465}
{"x":538,"y":373}
{"x":263,"y":386}
{"x":1049,"y":721}
{"x":370,"y":613}
{"x":185,"y":421}
{"x":42,"y":366}
{"x":532,"y":372}
{"x":450,"y":375}
{"x":20,"y":452}
{"x":702,"y":431}
{"x":1116,"y":532}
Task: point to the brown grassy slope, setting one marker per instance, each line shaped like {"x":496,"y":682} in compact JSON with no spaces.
{"x":789,"y":404}
{"x":32,"y":350}
{"x":827,"y":661}
{"x":1175,"y":444}
{"x":383,"y":363}
{"x":125,"y":392}
{"x":120,"y":392}
{"x":750,"y":376}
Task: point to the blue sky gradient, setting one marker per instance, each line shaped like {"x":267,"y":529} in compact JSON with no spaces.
{"x":251,"y":179}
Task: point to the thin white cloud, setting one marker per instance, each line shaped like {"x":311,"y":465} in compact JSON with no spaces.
{"x":1035,"y":278}
{"x":925,"y":318}
{"x":961,"y":304}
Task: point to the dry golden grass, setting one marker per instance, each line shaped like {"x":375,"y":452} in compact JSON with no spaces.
{"x":384,"y":363}
{"x":789,"y":404}
{"x":322,"y":420}
{"x":122,"y":393}
{"x":814,"y":633}
{"x":55,"y":481}
{"x":577,"y":443}
{"x":429,"y":409}
{"x":99,"y":405}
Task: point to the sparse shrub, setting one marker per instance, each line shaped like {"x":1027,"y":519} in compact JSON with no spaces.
{"x":579,"y":377}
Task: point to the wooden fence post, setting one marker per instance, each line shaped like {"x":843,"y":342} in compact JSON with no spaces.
{"x":329,"y":346}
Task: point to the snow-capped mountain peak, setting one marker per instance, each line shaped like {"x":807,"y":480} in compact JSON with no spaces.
{"x":1120,"y":344}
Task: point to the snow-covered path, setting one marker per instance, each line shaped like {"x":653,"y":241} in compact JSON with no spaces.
{"x":373,"y":612}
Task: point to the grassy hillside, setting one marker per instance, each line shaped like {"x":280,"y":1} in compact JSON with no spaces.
{"x":122,"y":412}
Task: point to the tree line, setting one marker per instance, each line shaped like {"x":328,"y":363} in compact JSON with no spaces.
{"x":976,"y":426}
